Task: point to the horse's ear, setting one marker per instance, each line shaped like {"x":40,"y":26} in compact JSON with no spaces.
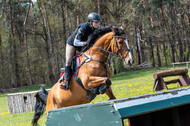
{"x":114,"y":30}
{"x":121,"y":27}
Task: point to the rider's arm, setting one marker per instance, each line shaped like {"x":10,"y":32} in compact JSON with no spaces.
{"x":77,"y":40}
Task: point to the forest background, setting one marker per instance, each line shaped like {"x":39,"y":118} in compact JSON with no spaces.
{"x":33,"y":34}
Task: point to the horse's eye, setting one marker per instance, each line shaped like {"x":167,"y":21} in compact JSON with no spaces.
{"x":120,"y":42}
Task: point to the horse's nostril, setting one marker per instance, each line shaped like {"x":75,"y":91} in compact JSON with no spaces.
{"x":129,"y":62}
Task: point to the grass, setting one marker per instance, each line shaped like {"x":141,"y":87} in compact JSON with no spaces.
{"x":126,"y":84}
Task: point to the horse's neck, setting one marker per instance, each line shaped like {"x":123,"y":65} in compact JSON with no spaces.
{"x":103,"y":43}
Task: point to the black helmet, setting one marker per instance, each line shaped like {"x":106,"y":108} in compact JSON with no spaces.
{"x":94,"y":17}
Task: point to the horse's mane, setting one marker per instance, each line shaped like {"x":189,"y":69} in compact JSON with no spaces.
{"x":100,"y":32}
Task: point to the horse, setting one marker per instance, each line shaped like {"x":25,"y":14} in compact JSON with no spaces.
{"x":94,"y":73}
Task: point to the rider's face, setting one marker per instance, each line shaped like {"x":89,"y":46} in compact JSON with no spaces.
{"x":95,"y":24}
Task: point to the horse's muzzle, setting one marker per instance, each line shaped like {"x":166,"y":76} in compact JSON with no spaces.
{"x":130,"y":62}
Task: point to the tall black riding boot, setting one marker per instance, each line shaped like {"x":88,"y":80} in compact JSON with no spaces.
{"x":67,"y":78}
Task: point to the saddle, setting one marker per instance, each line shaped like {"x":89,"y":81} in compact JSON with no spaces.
{"x":74,"y":67}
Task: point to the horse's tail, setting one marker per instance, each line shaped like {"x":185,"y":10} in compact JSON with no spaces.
{"x":41,"y":99}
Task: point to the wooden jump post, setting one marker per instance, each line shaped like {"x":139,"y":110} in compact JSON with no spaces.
{"x":160,"y":84}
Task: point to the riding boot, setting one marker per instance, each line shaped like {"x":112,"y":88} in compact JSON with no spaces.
{"x":67,"y":78}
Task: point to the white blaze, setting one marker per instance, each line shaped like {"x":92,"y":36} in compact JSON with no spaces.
{"x":131,"y":59}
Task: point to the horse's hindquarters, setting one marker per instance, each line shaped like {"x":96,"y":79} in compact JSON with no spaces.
{"x":59,"y":98}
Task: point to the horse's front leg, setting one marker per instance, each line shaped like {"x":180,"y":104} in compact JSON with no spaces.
{"x":98,"y":85}
{"x":110,"y":94}
{"x":95,"y":81}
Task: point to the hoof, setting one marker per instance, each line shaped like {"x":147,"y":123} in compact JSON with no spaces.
{"x":95,"y":90}
{"x":108,"y":82}
{"x":103,"y":89}
{"x":112,"y":98}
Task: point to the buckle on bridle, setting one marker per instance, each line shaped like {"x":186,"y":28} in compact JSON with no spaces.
{"x":88,"y":58}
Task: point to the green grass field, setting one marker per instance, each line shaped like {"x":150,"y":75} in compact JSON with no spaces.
{"x":126,"y":84}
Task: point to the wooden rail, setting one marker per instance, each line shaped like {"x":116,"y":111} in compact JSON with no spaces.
{"x":178,"y":63}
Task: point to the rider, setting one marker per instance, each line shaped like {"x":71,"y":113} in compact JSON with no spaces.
{"x":77,"y":40}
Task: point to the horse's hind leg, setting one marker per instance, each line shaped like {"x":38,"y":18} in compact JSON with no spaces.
{"x":50,"y":102}
{"x":110,"y":93}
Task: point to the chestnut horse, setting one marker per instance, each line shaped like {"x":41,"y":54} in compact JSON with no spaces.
{"x":93,"y":73}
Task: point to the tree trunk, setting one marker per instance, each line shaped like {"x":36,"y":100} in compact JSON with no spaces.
{"x":62,"y":47}
{"x":99,"y":7}
{"x":50,"y":42}
{"x":29,"y":77}
{"x":158,"y":56}
{"x":15,"y":55}
{"x":69,"y":28}
{"x":1,"y":57}
{"x":142,"y":47}
{"x":152,"y":52}
{"x":181,"y":52}
{"x":59,"y":45}
{"x":48,"y":45}
{"x":167,"y":34}
{"x":137,"y":45}
{"x":165,"y":55}
{"x":12,"y":81}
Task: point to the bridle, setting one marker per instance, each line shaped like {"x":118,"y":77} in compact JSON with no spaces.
{"x":118,"y":54}
{"x":119,"y":50}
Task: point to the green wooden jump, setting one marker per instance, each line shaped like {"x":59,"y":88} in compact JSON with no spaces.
{"x":112,"y":113}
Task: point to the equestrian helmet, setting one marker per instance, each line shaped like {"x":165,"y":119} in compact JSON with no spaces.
{"x":94,"y":17}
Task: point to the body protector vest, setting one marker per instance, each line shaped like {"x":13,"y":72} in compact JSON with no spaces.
{"x":81,"y":33}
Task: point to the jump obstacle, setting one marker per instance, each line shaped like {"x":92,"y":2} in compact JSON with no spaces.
{"x":169,"y":108}
{"x":160,"y":84}
{"x":21,"y":102}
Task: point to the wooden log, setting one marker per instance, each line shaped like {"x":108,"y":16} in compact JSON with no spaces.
{"x":172,"y":81}
{"x":167,"y":73}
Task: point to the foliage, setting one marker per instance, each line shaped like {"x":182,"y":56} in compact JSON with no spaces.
{"x":32,"y":45}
